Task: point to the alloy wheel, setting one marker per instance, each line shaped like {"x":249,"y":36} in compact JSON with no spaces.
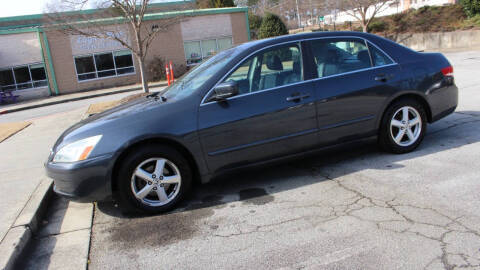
{"x":156,"y":182}
{"x":406,"y":126}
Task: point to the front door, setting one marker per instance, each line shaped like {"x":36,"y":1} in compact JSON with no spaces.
{"x":273,"y":114}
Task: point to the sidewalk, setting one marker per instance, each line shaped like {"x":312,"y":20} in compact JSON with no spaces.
{"x":30,"y":104}
{"x":23,"y":183}
{"x":25,"y":190}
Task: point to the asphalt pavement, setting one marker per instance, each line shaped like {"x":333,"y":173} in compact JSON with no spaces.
{"x":353,"y":207}
{"x":349,"y":208}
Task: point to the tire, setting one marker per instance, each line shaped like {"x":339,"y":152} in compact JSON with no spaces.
{"x":393,"y":124}
{"x":141,"y":179}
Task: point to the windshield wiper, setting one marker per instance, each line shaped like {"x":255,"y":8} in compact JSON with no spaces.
{"x":155,"y":95}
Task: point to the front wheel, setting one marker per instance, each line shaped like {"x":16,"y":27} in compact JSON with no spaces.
{"x":403,"y":126}
{"x":153,"y":179}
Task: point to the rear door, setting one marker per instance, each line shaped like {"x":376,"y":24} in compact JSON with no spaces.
{"x":351,"y":87}
{"x":273,"y":115}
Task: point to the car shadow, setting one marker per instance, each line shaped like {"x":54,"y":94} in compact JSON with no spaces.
{"x":259,"y":185}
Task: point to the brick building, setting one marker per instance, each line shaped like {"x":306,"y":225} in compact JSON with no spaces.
{"x":37,"y":61}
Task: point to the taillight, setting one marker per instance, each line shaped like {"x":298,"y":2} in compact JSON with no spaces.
{"x":448,"y":71}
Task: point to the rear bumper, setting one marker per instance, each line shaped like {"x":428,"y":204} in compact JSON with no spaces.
{"x":84,"y":181}
{"x":443,"y":100}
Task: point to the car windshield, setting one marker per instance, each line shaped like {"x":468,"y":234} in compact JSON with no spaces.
{"x":192,"y":80}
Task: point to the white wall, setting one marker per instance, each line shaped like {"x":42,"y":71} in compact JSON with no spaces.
{"x":389,"y":9}
{"x":421,"y":3}
{"x":19,"y":49}
{"x":205,"y":27}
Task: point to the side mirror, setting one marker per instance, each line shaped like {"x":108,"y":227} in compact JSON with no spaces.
{"x":225,"y":90}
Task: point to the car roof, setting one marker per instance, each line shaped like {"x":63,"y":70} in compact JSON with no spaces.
{"x":311,"y":35}
{"x":393,"y":49}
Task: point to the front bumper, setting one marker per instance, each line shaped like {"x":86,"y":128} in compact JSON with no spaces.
{"x":84,"y":181}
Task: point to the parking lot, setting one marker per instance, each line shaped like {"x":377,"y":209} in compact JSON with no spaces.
{"x":353,"y":207}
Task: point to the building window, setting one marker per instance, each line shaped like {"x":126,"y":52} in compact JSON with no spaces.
{"x":23,"y":77}
{"x":102,"y":65}
{"x":196,"y":51}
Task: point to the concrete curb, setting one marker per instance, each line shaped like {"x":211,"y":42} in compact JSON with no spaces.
{"x":27,"y":223}
{"x":28,"y":107}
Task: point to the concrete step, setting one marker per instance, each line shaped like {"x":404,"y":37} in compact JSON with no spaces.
{"x":63,"y":238}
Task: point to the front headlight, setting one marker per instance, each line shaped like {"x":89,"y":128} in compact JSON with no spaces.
{"x":77,"y":151}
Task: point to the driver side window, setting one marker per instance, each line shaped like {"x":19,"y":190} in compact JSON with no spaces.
{"x":269,"y":69}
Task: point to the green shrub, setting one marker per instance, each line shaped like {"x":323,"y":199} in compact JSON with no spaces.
{"x":221,"y":3}
{"x":255,"y":21}
{"x":272,"y":26}
{"x":471,"y":7}
{"x":377,"y":26}
{"x":358,"y":29}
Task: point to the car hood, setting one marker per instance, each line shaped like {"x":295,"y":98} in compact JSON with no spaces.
{"x":100,"y":123}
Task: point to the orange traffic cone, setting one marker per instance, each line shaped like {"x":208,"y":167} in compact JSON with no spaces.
{"x":167,"y":72}
{"x":172,"y":76}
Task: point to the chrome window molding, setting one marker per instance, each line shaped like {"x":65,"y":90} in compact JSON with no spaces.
{"x":378,"y":48}
{"x":203,"y":102}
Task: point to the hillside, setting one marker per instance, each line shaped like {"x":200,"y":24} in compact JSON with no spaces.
{"x":425,"y":19}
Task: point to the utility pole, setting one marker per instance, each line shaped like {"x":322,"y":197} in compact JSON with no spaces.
{"x":298,"y":14}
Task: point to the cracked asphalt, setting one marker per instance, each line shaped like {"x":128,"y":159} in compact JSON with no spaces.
{"x":353,"y":207}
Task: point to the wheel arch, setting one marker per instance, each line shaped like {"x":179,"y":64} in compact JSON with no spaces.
{"x":160,"y":140}
{"x":421,"y":99}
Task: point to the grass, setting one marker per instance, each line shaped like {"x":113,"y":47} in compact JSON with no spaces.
{"x":9,"y":129}
{"x":103,"y":106}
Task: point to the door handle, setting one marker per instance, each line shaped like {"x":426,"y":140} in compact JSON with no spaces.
{"x":297,"y":98}
{"x":383,"y":78}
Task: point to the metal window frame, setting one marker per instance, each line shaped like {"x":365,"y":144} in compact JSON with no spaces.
{"x":96,"y":70}
{"x":201,"y":47}
{"x":31,"y":81}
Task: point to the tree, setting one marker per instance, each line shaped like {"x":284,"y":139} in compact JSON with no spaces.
{"x":126,"y":25}
{"x":221,"y":3}
{"x":471,"y":7}
{"x":363,"y":11}
{"x":272,"y":26}
{"x":255,"y":21}
{"x":215,"y":3}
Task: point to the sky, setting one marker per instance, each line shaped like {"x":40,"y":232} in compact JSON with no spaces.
{"x":22,"y":7}
{"x":28,"y":7}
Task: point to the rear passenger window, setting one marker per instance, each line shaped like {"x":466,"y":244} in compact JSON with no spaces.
{"x":379,"y":58}
{"x":269,"y":69}
{"x":339,"y":56}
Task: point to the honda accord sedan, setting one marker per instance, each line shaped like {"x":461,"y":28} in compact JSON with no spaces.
{"x":260,"y":101}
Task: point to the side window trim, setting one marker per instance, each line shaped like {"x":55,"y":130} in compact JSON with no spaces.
{"x":360,"y":40}
{"x":369,"y":43}
{"x":372,"y":64}
{"x":298,"y":43}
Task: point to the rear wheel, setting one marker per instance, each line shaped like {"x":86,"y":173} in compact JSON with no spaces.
{"x":153,"y":179}
{"x":403,"y":126}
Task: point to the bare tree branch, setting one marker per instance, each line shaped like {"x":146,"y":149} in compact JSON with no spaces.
{"x":359,"y":9}
{"x":110,"y":21}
